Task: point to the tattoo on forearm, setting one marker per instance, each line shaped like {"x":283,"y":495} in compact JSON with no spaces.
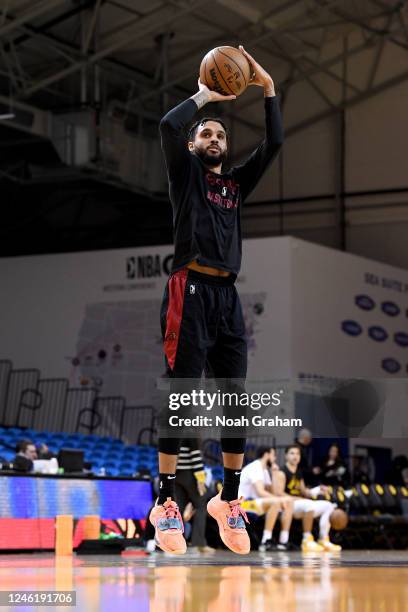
{"x":200,"y":98}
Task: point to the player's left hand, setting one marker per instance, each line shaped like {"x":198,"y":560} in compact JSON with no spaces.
{"x":259,"y":75}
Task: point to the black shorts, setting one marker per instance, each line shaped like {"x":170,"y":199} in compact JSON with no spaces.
{"x":203,"y":326}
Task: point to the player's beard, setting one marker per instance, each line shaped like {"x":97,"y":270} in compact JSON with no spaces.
{"x":210,"y":159}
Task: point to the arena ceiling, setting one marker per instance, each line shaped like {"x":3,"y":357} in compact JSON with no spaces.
{"x":140,"y":51}
{"x":137,"y":58}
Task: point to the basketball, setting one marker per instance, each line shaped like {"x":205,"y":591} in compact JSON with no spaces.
{"x":225,"y":70}
{"x":338,"y":519}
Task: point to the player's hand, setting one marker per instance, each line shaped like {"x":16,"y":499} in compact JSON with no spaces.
{"x":259,"y":75}
{"x":214,"y":96}
{"x":202,"y":489}
{"x":189,"y":512}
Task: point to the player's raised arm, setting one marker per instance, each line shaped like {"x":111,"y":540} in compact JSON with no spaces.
{"x":250,"y":172}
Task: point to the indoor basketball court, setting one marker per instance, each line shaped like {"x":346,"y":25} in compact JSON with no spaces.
{"x":353,"y":581}
{"x":204,"y":305}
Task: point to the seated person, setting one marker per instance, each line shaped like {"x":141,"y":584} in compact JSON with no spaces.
{"x":333,"y":471}
{"x":256,"y":483}
{"x":43,"y":452}
{"x":304,"y":507}
{"x":26,"y":454}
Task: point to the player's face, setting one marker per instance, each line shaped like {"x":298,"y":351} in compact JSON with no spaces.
{"x":210,"y":143}
{"x":293,"y":456}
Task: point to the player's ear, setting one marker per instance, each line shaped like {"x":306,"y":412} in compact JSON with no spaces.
{"x":190,"y":146}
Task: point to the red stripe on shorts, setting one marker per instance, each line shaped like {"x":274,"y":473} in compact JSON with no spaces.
{"x":176,"y":288}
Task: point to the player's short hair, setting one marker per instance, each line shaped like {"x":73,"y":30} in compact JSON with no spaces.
{"x":261,"y":450}
{"x":192,"y":131}
{"x":22,"y":445}
{"x":288,"y":448}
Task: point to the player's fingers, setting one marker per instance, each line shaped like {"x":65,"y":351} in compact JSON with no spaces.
{"x":247,"y":55}
{"x":221,"y":98}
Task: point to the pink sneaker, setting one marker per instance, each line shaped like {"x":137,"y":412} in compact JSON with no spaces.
{"x":232,"y":528}
{"x":167,"y":521}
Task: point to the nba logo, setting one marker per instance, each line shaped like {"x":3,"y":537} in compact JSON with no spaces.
{"x":224,"y":191}
{"x":192,"y":289}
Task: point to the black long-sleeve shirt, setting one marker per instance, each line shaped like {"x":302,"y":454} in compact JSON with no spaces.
{"x":207,"y":205}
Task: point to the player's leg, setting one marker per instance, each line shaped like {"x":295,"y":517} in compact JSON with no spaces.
{"x":323,"y":510}
{"x":199,"y":503}
{"x":228,"y":361}
{"x":183,"y":326}
{"x":182,"y":496}
{"x":286,"y":518}
{"x":272,"y":508}
{"x":303,"y":509}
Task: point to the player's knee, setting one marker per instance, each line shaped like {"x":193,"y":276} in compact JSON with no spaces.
{"x":309,"y":506}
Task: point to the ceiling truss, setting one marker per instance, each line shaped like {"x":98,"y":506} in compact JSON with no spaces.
{"x":291,"y":32}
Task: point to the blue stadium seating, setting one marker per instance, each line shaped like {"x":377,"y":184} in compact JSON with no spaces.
{"x":101,"y":451}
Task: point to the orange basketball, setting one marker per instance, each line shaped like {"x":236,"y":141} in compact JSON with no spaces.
{"x":226,"y":70}
{"x":338,"y":519}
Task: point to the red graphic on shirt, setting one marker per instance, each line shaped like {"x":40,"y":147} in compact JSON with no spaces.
{"x":223,"y":192}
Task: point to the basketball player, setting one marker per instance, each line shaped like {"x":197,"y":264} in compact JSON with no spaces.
{"x":201,"y":314}
{"x":304,"y":507}
{"x":256,"y":485}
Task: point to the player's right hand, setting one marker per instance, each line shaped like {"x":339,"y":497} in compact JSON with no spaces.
{"x":214,"y":96}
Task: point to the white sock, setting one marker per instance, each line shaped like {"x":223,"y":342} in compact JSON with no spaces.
{"x":266,"y":536}
{"x":306,"y":535}
{"x":284,"y":537}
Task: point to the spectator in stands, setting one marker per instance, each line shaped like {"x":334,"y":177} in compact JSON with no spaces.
{"x":25,"y":457}
{"x":333,"y":470}
{"x":44,"y":452}
{"x":304,"y":442}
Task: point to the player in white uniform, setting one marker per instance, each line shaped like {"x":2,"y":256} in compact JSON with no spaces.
{"x":256,"y":488}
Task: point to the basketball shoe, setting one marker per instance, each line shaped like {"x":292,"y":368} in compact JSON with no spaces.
{"x":230,"y":518}
{"x":169,"y":528}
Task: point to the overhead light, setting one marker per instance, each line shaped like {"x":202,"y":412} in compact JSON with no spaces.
{"x":5,"y":116}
